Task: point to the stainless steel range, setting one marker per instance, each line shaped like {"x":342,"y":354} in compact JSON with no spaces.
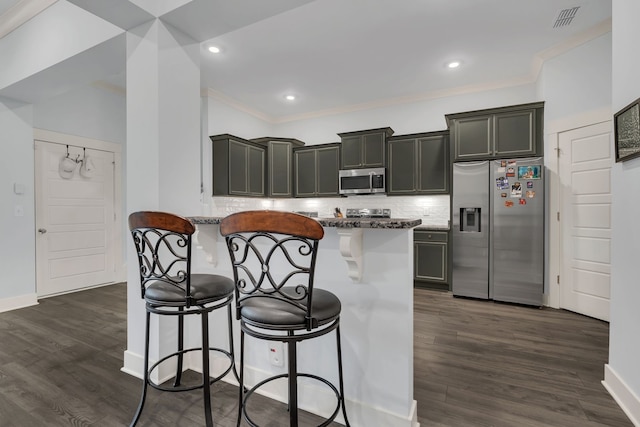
{"x":368,"y":213}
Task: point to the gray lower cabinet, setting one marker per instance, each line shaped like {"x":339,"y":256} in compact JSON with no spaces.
{"x":238,"y":166}
{"x":430,"y":252}
{"x":315,"y":170}
{"x":279,"y":165}
{"x":364,"y":149}
{"x":514,"y":131}
{"x":419,"y":164}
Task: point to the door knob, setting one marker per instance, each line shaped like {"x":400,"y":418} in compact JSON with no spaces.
{"x":42,"y":230}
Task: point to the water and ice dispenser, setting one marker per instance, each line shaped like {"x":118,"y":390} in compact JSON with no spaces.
{"x":470,"y":220}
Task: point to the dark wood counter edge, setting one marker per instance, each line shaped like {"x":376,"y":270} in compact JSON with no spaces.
{"x":382,"y":223}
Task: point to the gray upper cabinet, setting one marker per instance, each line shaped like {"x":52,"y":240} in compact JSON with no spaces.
{"x":514,"y":131}
{"x":364,"y":149}
{"x":419,"y":164}
{"x":238,"y":166}
{"x":279,"y":165}
{"x":316,"y":170}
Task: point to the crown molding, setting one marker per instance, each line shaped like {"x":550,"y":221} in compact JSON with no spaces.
{"x":461,"y":90}
{"x":214,"y":94}
{"x":20,"y":13}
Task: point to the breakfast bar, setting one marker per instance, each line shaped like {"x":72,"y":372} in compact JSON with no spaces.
{"x":368,"y":264}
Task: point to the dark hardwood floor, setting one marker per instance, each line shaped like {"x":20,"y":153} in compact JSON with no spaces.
{"x":476,"y":364}
{"x":480,"y":363}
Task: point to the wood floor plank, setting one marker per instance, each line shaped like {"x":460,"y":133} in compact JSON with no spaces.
{"x":505,"y":364}
{"x":476,"y":363}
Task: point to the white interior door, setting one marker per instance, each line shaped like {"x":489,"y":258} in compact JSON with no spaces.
{"x":585,"y":221}
{"x":75,"y":221}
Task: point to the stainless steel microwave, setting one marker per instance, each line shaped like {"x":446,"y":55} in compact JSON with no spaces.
{"x":362,"y":181}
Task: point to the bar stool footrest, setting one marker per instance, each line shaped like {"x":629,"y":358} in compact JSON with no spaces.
{"x":250,"y":392}
{"x":189,"y":387}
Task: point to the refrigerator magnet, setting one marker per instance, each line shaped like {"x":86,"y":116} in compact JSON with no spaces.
{"x":522,"y":201}
{"x":508,"y":203}
{"x":511,"y":172}
{"x":529,"y":184}
{"x":501,"y":170}
{"x":503,"y":163}
{"x":502,"y":183}
{"x":531,"y":194}
{"x":516,"y":189}
{"x":504,"y":195}
{"x":511,"y":163}
{"x":529,"y":172}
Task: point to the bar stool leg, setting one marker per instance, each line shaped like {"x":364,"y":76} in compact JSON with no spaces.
{"x":178,"y":379}
{"x":293,"y":383}
{"x":145,"y":375}
{"x":206,"y":383}
{"x":339,"y":347}
{"x":241,"y":380}
{"x":231,"y":349}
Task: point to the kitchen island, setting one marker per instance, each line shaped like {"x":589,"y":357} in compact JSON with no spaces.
{"x":376,"y":320}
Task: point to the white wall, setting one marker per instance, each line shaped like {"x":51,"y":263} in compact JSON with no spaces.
{"x":88,"y":111}
{"x":622,"y":374}
{"x":577,"y":81}
{"x":223,"y":118}
{"x":17,"y":253}
{"x":55,"y":33}
{"x":59,"y":32}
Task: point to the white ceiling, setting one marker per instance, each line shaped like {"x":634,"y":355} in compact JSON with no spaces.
{"x":336,"y":55}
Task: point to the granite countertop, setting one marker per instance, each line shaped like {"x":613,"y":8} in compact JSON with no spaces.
{"x":369,"y":222}
{"x":205,"y":219}
{"x":336,"y":222}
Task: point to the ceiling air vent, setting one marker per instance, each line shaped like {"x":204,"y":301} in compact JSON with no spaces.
{"x":565,"y":17}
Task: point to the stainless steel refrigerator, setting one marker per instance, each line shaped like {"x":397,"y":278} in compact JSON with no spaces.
{"x":498,"y":230}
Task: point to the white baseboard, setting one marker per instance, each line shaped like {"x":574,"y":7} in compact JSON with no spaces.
{"x":622,"y":394}
{"x":317,"y":399}
{"x":21,"y":301}
{"x":314,"y":398}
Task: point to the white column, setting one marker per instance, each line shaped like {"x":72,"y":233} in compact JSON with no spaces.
{"x":163,"y":151}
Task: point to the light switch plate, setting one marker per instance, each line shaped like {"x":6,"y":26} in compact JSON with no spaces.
{"x":18,"y":188}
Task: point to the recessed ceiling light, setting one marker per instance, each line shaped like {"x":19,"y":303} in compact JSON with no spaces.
{"x":214,"y":49}
{"x":290,"y":97}
{"x":453,"y":64}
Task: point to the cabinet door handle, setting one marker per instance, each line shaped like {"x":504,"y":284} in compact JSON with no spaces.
{"x":42,"y":230}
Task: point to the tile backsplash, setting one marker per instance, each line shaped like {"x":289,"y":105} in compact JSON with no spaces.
{"x":433,"y":210}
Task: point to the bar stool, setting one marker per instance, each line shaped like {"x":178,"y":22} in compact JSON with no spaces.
{"x":163,"y":246}
{"x":273,"y":255}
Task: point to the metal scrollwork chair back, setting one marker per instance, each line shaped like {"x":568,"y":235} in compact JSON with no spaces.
{"x":273,"y":256}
